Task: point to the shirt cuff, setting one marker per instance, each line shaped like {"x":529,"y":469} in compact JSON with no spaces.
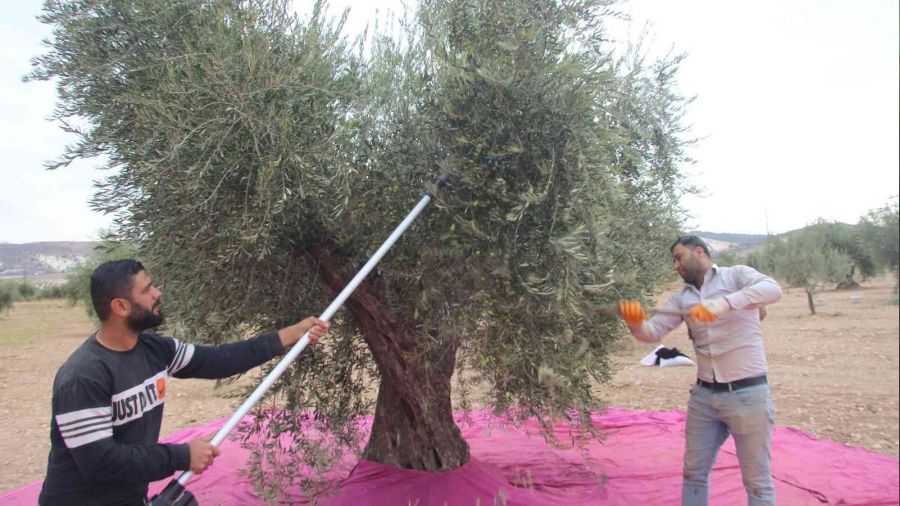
{"x":737,"y":300}
{"x":181,"y":456}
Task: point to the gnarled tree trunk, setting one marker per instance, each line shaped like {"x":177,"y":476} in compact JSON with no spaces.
{"x":414,"y":426}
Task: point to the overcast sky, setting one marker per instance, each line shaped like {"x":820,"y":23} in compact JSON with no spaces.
{"x":797,"y":107}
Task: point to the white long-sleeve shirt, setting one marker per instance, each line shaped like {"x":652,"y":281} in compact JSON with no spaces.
{"x":731,"y":347}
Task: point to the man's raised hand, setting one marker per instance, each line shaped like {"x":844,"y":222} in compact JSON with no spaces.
{"x":632,"y":312}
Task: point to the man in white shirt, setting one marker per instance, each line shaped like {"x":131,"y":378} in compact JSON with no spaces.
{"x":720,"y":306}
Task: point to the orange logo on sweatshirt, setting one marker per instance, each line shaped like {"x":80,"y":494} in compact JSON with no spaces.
{"x":160,"y":388}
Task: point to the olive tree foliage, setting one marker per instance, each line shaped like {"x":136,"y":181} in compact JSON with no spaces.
{"x":26,"y":290}
{"x":805,"y":259}
{"x":258,"y":159}
{"x":849,"y":240}
{"x":7,"y":297}
{"x":567,"y":181}
{"x":880,"y":234}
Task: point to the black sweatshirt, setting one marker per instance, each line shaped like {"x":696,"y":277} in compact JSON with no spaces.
{"x":107,"y":412}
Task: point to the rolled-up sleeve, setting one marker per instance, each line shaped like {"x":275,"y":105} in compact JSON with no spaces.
{"x":758,"y":289}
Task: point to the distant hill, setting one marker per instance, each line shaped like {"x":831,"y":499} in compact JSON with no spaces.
{"x":43,"y":258}
{"x":736,"y":244}
{"x":56,"y":258}
{"x":739,"y":245}
{"x":738,"y":239}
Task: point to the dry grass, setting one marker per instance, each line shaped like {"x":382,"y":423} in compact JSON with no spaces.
{"x":28,"y":321}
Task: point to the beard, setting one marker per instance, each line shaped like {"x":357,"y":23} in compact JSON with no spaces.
{"x":142,"y":318}
{"x":688,"y":277}
{"x":691,"y":272}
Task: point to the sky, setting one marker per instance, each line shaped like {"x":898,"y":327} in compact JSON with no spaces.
{"x":797,"y":112}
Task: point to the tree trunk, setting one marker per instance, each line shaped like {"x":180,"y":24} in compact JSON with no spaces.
{"x":812,"y":304}
{"x":423,"y":437}
{"x":849,"y":283}
{"x":413,"y":426}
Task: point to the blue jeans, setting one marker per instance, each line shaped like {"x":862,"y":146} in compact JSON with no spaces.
{"x":748,"y":415}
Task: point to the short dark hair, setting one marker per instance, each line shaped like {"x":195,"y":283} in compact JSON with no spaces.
{"x":112,"y":280}
{"x":690,"y":241}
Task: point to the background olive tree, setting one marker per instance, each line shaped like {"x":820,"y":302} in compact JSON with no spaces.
{"x":257,"y":160}
{"x":880,"y":233}
{"x":834,"y":253}
{"x":847,"y":239}
{"x":77,"y":287}
{"x":803,"y":259}
{"x":7,"y":297}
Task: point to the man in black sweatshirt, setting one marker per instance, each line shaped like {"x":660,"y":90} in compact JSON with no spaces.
{"x":108,"y":396}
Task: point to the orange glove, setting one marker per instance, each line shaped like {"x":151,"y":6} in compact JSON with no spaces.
{"x":709,"y":310}
{"x":632,"y":312}
{"x":701,"y":313}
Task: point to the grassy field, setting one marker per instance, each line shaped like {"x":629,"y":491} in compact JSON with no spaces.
{"x":28,"y":321}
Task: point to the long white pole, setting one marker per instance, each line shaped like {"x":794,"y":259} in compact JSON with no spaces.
{"x":286,"y":361}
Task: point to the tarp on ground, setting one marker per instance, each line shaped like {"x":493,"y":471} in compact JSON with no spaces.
{"x":638,"y":462}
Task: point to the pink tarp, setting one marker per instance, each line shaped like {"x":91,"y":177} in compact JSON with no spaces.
{"x":638,"y":463}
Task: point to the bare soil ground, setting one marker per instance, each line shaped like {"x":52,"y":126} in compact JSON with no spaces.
{"x":834,"y":374}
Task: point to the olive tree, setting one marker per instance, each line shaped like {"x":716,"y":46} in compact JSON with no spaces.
{"x":77,"y":287}
{"x":804,"y":259}
{"x":847,"y":239}
{"x":879,"y":230}
{"x":258,"y":159}
{"x":7,"y":297}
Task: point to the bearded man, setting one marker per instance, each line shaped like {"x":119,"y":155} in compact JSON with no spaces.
{"x":721,"y":307}
{"x":108,"y":396}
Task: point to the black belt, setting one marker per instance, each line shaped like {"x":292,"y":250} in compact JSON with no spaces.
{"x":734,"y":385}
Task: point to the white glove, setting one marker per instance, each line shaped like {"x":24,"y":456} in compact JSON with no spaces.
{"x":717,"y":306}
